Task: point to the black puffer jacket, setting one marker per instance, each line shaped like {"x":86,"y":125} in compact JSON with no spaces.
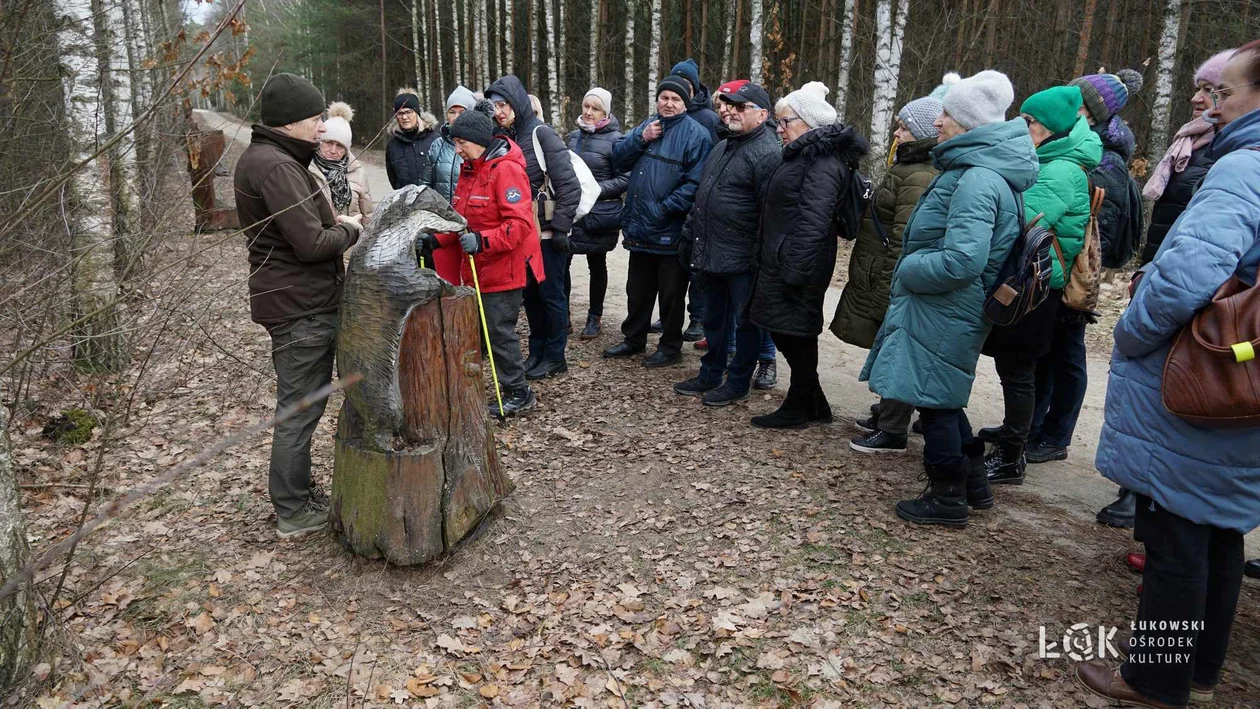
{"x":564,"y":181}
{"x":597,"y":232}
{"x":722,"y":226}
{"x":798,"y":242}
{"x":1181,"y":187}
{"x":1120,"y":219}
{"x":407,"y":153}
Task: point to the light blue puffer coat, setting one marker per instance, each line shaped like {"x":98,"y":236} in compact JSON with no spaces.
{"x":952,"y":249}
{"x":1208,"y":476}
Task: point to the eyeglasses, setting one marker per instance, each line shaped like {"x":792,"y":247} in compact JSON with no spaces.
{"x":402,"y":113}
{"x":500,"y":105}
{"x":741,"y":107}
{"x":1219,"y":95}
{"x":785,"y":122}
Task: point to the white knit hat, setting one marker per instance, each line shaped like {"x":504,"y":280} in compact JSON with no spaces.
{"x":980,"y":99}
{"x":461,"y":96}
{"x":337,"y":127}
{"x":604,"y":96}
{"x":810,"y":103}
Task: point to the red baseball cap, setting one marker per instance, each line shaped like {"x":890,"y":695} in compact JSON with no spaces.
{"x":732,"y":86}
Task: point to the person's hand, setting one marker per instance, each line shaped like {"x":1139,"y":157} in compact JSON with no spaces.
{"x":685,"y":250}
{"x":560,"y":242}
{"x":471,"y":242}
{"x":653,"y":131}
{"x":425,"y":245}
{"x":356,"y":220}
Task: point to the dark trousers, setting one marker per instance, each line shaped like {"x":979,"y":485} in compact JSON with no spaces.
{"x":303,"y":352}
{"x":653,"y":277}
{"x":1019,"y":392}
{"x":1193,"y":574}
{"x":801,"y":354}
{"x":1062,"y":378}
{"x":894,"y":417}
{"x":725,"y":298}
{"x":945,"y":432}
{"x":696,"y":300}
{"x":598,"y":265}
{"x":502,"y":311}
{"x":547,"y":306}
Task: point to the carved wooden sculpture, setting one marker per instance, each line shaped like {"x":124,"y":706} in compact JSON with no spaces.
{"x":416,"y":468}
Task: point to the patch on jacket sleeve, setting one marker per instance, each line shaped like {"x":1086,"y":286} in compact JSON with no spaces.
{"x":513,"y":195}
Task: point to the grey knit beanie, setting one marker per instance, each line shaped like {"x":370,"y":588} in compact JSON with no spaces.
{"x":461,"y":96}
{"x":919,"y":117}
{"x":475,"y":126}
{"x":980,"y":99}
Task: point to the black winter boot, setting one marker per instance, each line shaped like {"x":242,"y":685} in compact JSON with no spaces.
{"x":592,"y":329}
{"x":819,"y":408}
{"x":944,"y":500}
{"x":1005,"y":465}
{"x":990,"y":434}
{"x":793,"y":413}
{"x":1119,"y":513}
{"x":979,"y":495}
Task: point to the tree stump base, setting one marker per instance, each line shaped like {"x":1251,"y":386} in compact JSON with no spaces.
{"x":416,"y":469}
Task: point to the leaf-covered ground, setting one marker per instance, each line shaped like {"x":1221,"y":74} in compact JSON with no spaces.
{"x":655,"y":554}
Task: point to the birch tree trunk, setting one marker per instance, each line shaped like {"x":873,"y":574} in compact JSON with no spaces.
{"x":1166,"y":63}
{"x":97,"y":342}
{"x":562,"y":59}
{"x":654,"y":54}
{"x":116,"y":95}
{"x":496,"y":67}
{"x":534,"y":69}
{"x":594,"y":53}
{"x":754,"y":41}
{"x":483,"y":43}
{"x":458,"y":32}
{"x":437,"y":48}
{"x":18,"y":619}
{"x":888,"y":33}
{"x":846,"y":59}
{"x":730,"y":36}
{"x":509,"y":28}
{"x":630,"y":115}
{"x":416,"y":48}
{"x":553,"y":82}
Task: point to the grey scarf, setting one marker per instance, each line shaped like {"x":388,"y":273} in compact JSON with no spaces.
{"x":335,"y":172}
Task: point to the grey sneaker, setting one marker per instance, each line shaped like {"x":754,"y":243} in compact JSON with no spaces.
{"x":311,"y":518}
{"x":767,"y":374}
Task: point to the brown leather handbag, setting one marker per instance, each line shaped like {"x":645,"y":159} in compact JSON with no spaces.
{"x":1212,"y":375}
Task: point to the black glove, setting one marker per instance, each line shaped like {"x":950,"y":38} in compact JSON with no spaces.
{"x":472,"y":242}
{"x":685,"y":251}
{"x":560,"y":242}
{"x":425,"y":245}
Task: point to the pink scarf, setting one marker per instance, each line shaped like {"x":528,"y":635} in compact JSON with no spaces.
{"x":1193,"y":136}
{"x":588,"y":128}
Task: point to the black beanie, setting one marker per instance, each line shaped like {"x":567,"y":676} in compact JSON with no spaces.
{"x":288,"y":98}
{"x":677,"y":84}
{"x":406,"y":100}
{"x":475,"y":126}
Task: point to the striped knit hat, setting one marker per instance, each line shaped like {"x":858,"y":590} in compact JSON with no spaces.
{"x":1105,"y":94}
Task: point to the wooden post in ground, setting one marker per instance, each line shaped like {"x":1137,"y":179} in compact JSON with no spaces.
{"x":416,"y":469}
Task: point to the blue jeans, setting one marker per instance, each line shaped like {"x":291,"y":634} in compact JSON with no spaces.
{"x":725,"y":296}
{"x":547,"y":307}
{"x":1062,"y":378}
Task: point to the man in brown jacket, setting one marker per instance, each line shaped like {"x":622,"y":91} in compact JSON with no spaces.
{"x":295,"y":256}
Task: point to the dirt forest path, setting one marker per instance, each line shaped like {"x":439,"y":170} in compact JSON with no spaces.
{"x":1072,"y":485}
{"x":652,"y":555}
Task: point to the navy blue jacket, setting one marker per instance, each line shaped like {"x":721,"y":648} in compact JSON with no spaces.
{"x":664,"y":175}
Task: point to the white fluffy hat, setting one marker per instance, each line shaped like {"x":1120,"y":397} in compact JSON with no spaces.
{"x":810,"y":103}
{"x":337,"y":127}
{"x":980,"y":99}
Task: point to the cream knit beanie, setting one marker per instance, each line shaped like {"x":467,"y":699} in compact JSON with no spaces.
{"x":810,"y":103}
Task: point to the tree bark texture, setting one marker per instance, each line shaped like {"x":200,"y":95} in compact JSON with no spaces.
{"x":846,"y":59}
{"x":18,"y":619}
{"x":1167,"y":62}
{"x":755,"y":32}
{"x":1087,"y":32}
{"x":889,"y":31}
{"x":415,"y":468}
{"x":630,"y":113}
{"x":553,"y":78}
{"x":654,"y":54}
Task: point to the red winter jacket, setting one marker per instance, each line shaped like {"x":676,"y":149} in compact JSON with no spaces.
{"x":493,"y":195}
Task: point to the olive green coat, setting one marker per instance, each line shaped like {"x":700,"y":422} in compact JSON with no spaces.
{"x":877,"y":248}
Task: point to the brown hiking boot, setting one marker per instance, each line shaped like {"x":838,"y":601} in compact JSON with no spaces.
{"x":1106,"y":682}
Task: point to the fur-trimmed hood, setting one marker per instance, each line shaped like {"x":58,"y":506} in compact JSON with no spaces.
{"x":427,"y":120}
{"x":836,"y":139}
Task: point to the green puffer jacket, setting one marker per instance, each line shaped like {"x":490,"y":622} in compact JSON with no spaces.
{"x":877,"y":248}
{"x":1062,"y":191}
{"x":954,"y":245}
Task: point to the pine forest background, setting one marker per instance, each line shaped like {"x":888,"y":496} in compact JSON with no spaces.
{"x":362,"y":51}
